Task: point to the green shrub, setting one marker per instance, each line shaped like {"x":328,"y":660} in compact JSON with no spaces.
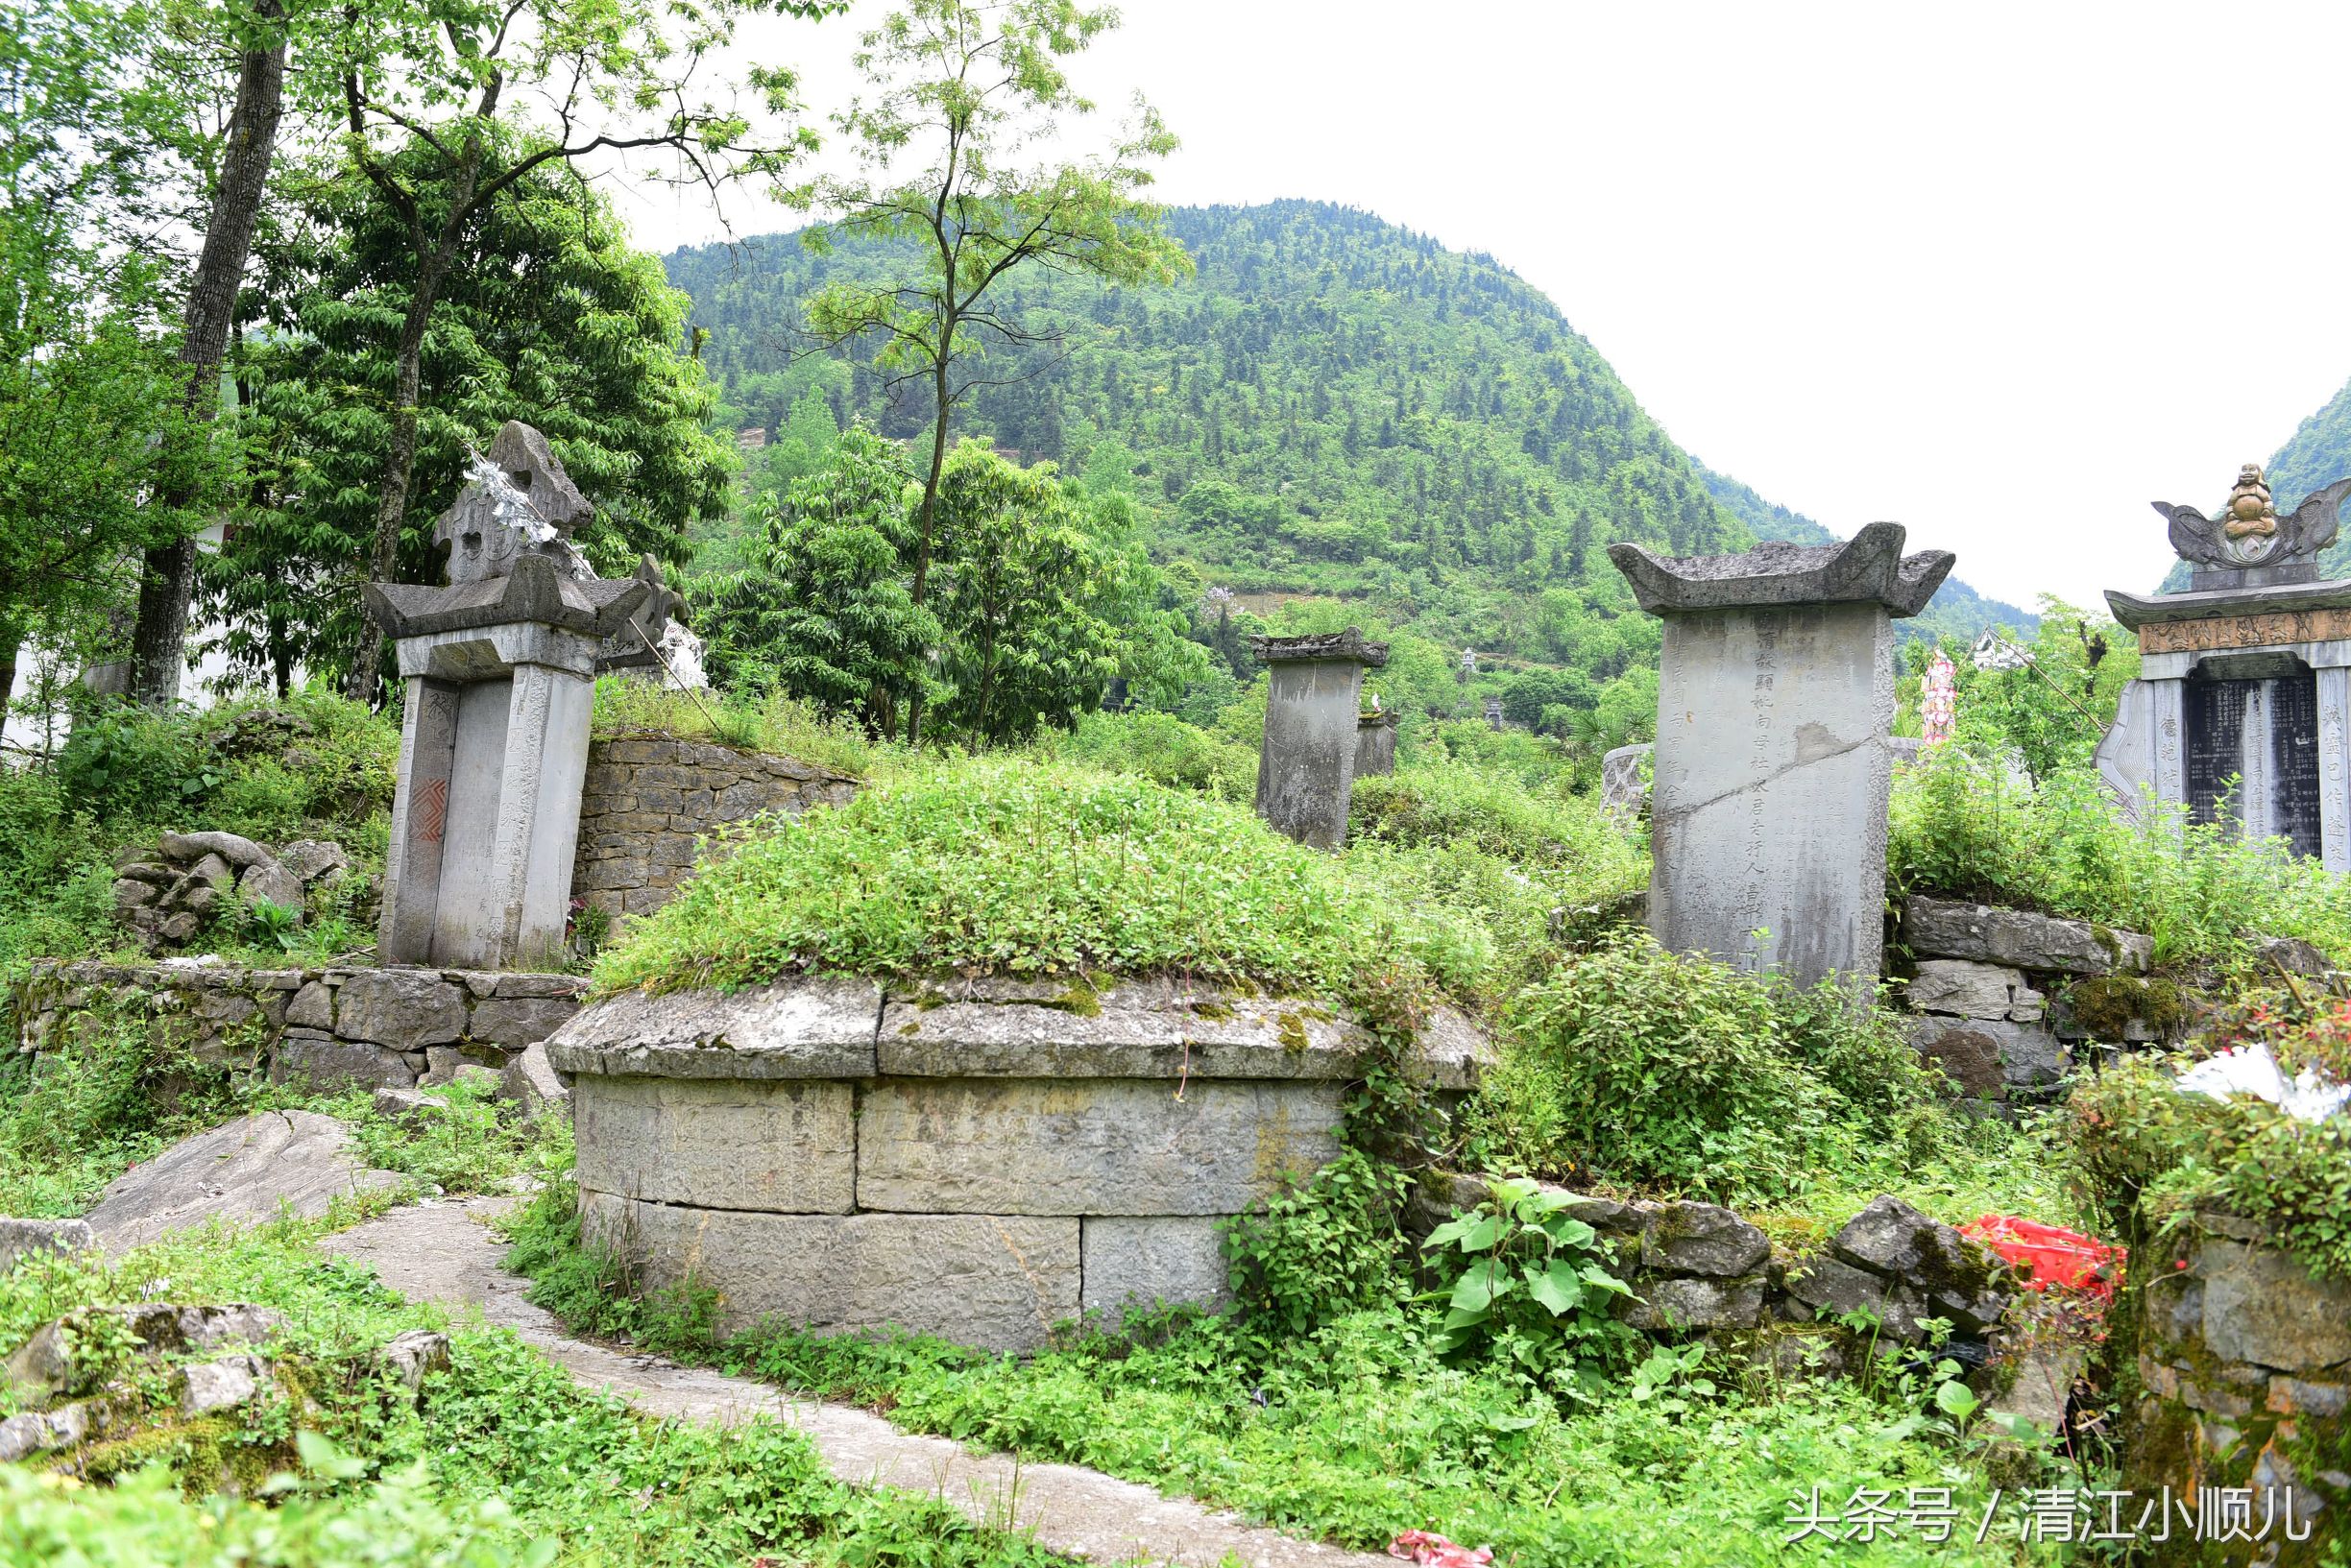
{"x":1642,"y":1068}
{"x":1528,"y":1284}
{"x":1962,"y":828}
{"x":2152,"y":1156}
{"x":1159,"y":747}
{"x":1329,"y":1246}
{"x":1005,"y":866}
{"x":118,"y":1085}
{"x":777,"y":725}
{"x":1454,"y":805}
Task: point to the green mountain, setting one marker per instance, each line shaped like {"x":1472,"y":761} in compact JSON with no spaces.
{"x":1956,"y":610}
{"x":2319,"y":454}
{"x":1333,"y":407}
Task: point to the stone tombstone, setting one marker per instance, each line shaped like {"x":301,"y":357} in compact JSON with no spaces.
{"x":2245,"y":680}
{"x":1375,"y":743}
{"x":499,"y":665}
{"x":1306,"y":764}
{"x":1772,"y":765}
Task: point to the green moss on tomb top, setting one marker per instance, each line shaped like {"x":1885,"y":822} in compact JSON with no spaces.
{"x":1014,"y":867}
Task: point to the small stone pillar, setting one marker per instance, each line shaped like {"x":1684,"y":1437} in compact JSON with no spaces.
{"x":1772,"y":767}
{"x":1306,"y":764}
{"x":1375,"y":738}
{"x":500,"y":673}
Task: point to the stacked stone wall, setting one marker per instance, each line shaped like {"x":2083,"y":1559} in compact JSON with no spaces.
{"x":649,"y":800}
{"x":2245,"y":1374}
{"x":981,"y":1162}
{"x":326,"y":1026}
{"x":2004,"y":998}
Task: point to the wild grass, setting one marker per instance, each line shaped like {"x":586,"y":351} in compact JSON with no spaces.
{"x":777,"y":725}
{"x":505,"y":1460}
{"x":1010,"y":866}
{"x":1962,"y":826}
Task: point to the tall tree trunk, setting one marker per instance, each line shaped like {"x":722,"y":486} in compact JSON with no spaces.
{"x":399,"y":465}
{"x":167,"y":575}
{"x":930,"y":510}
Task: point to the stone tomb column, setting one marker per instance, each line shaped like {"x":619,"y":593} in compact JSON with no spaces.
{"x":1772,"y":767}
{"x":1306,"y":763}
{"x":500,"y":676}
{"x":1375,"y":743}
{"x":493,"y":749}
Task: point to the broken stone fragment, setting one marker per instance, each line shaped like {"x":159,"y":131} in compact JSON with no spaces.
{"x":215,"y":872}
{"x":230,"y":848}
{"x":46,"y":1365}
{"x":1953,"y":1277}
{"x":1702,"y":1238}
{"x":1691,"y":1304}
{"x":280,"y":886}
{"x":406,"y":1104}
{"x":223,"y":1385}
{"x":530,"y":1081}
{"x":131,"y":894}
{"x":312,"y":860}
{"x":413,"y":1357}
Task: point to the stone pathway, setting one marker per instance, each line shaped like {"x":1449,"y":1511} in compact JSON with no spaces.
{"x":445,"y":1252}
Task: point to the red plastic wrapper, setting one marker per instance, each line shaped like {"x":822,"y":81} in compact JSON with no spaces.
{"x":2051,"y":1255}
{"x":1433,"y":1551}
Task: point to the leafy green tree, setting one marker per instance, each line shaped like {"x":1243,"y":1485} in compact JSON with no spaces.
{"x":1023,"y":593}
{"x":958,"y":91}
{"x":257,"y":34}
{"x":94,"y":419}
{"x":551,"y":319}
{"x":425,"y":95}
{"x":827,"y":614}
{"x":2054,"y":706}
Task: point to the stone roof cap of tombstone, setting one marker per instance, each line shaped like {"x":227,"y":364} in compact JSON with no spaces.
{"x":522,"y":454}
{"x":1868,"y":567}
{"x":535,"y":591}
{"x":1320,"y":645}
{"x":2137,"y":610}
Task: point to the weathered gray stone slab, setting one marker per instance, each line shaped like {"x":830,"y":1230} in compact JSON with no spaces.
{"x":1146,"y":1030}
{"x":1771,"y":780}
{"x":1136,"y":1263}
{"x":23,"y":1238}
{"x":1306,"y":762}
{"x":1701,"y":1239}
{"x":406,"y":1009}
{"x":1134,"y":1030}
{"x":816,"y":1027}
{"x":519,"y":1021}
{"x":1967,"y":989}
{"x":1693,"y":1304}
{"x":2261,"y":1305}
{"x":2028,"y":1055}
{"x":999,"y":1281}
{"x":301,"y":1056}
{"x":1945,"y":929}
{"x":245,"y":1174}
{"x":784,"y":1146}
{"x":1090,"y":1146}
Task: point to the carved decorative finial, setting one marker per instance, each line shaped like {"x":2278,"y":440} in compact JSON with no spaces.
{"x":2249,"y":532}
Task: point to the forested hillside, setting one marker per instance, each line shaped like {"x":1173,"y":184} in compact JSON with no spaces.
{"x":1334,"y":406}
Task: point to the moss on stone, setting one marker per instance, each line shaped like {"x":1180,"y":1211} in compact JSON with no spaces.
{"x":1292,"y":1032}
{"x":2107,"y":1005}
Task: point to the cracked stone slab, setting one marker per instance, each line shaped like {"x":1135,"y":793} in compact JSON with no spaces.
{"x":245,"y":1174}
{"x":811,"y":1028}
{"x":2021,"y":939}
{"x":787,"y":1146}
{"x":445,"y":1253}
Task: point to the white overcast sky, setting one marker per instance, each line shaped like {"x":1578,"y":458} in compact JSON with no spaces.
{"x":2003,"y":274}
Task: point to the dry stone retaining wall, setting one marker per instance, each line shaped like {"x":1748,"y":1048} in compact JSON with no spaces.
{"x":646,"y":800}
{"x":330,"y":1027}
{"x":980,"y":1161}
{"x":2245,"y":1372}
{"x":1993,"y":992}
